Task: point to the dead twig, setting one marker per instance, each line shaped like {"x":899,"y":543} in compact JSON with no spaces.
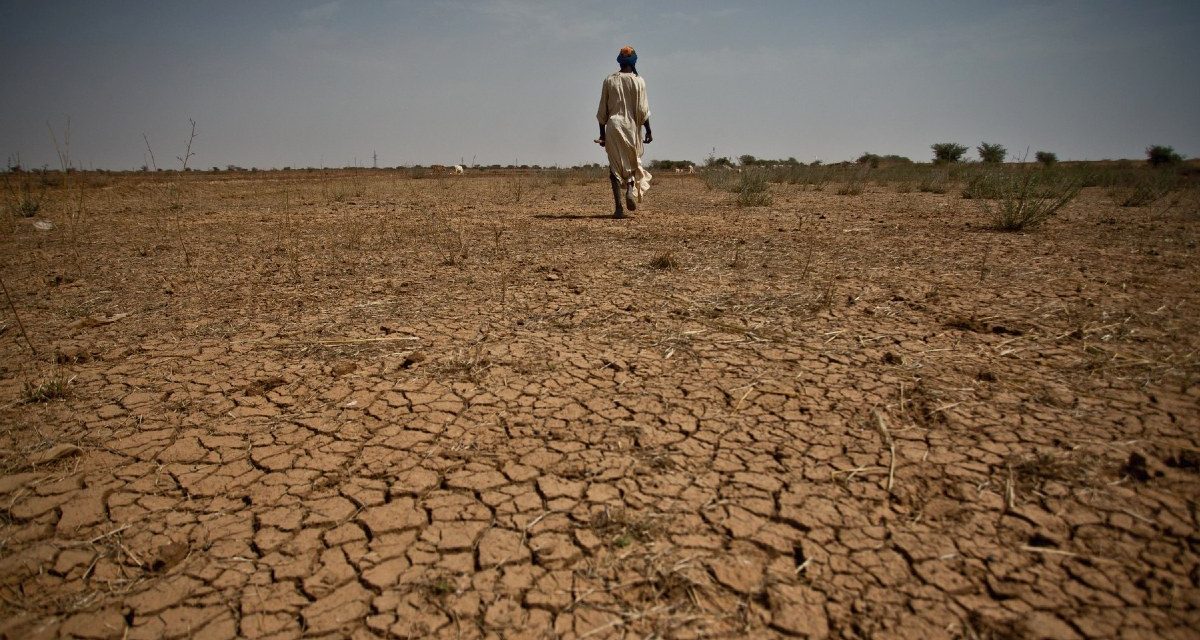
{"x":881,"y":426}
{"x":20,"y":324}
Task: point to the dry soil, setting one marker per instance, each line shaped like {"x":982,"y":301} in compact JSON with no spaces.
{"x":364,"y":405}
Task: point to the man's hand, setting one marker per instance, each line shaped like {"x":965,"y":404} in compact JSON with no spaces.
{"x":649,"y":136}
{"x":599,"y":141}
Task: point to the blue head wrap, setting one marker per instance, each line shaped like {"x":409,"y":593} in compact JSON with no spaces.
{"x":627,"y":56}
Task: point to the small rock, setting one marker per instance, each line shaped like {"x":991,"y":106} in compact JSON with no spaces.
{"x":169,"y":555}
{"x":1136,"y":467}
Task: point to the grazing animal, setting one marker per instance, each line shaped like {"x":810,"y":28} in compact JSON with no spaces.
{"x":458,"y":169}
{"x":691,"y":168}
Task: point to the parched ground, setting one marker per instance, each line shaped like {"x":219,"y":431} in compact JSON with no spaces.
{"x":282,"y":405}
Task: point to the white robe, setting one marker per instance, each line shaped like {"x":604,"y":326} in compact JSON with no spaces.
{"x":623,"y":110}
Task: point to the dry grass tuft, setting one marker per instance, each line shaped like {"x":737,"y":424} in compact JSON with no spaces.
{"x":1030,"y":472}
{"x":620,"y":529}
{"x":664,"y":260}
{"x":55,"y":388}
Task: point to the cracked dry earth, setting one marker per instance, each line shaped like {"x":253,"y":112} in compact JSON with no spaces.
{"x":374,"y":407}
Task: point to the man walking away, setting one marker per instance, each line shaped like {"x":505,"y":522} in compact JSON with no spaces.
{"x":624,"y":110}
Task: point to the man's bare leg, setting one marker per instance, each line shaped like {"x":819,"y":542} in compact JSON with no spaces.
{"x":616,"y":189}
{"x":631,"y":196}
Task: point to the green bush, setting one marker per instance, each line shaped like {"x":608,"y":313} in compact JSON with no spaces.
{"x":947,"y":152}
{"x":671,"y":165}
{"x":22,"y":201}
{"x":1147,"y":188}
{"x":1029,"y":198}
{"x":753,"y":189}
{"x":991,"y":152}
{"x":1160,"y":155}
{"x":936,"y":181}
{"x":855,"y":186}
{"x":983,"y":186}
{"x":717,"y":178}
{"x":1047,"y":158}
{"x":869,"y":159}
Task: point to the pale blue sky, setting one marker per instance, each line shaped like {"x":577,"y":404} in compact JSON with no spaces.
{"x":311,"y":83}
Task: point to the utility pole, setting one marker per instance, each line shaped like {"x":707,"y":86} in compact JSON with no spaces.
{"x":374,"y":159}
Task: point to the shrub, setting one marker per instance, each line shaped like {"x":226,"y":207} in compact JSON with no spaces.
{"x":1146,"y":189}
{"x":817,"y":177}
{"x":1159,"y":155}
{"x":983,"y":186}
{"x":869,"y":159}
{"x":751,"y":161}
{"x":588,"y":175}
{"x":753,"y":190}
{"x":947,"y":151}
{"x":1029,"y":198}
{"x":991,"y":152}
{"x":23,"y":202}
{"x":719,"y":178}
{"x":1047,"y":158}
{"x":854,"y":187}
{"x":671,"y":165}
{"x":935,"y":182}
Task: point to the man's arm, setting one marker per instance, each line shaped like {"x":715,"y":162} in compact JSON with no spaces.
{"x":649,"y":136}
{"x":602,"y":112}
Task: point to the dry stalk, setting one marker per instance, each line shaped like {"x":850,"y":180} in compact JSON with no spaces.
{"x":153,"y":163}
{"x":881,"y":426}
{"x":183,"y":160}
{"x":1010,"y":491}
{"x":983,"y":262}
{"x":20,"y":324}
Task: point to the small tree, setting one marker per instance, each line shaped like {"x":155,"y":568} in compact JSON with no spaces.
{"x":991,"y":152}
{"x":869,"y":159}
{"x":1047,"y":158}
{"x":1159,"y":155}
{"x":947,"y":152}
{"x":747,"y":160}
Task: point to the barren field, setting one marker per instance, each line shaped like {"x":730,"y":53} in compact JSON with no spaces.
{"x":366,"y":405}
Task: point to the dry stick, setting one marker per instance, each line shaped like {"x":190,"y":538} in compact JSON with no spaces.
{"x":20,"y":324}
{"x":352,"y":340}
{"x":1010,"y":492}
{"x":887,"y":439}
{"x":187,"y":155}
{"x":153,"y":163}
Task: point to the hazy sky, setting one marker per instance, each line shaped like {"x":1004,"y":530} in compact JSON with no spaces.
{"x":313,"y":83}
